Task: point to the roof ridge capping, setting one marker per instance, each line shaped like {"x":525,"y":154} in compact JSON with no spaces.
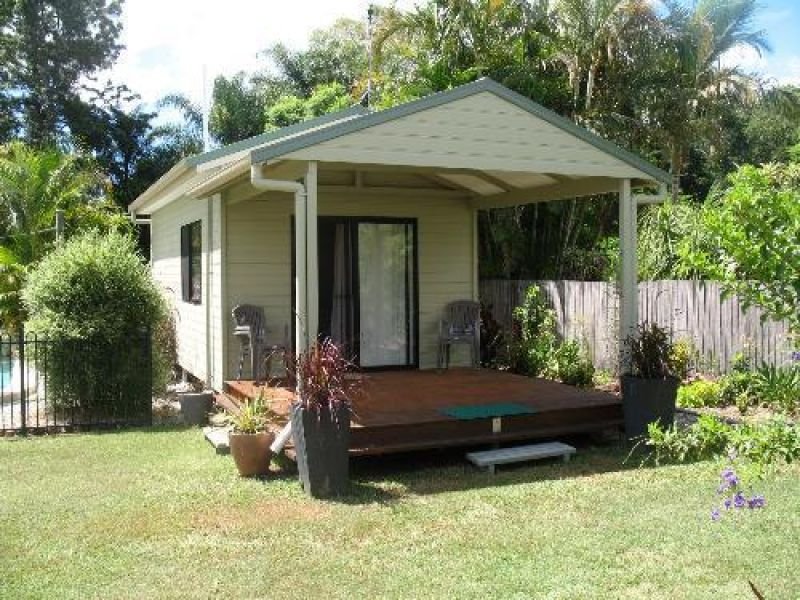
{"x":484,"y":84}
{"x":270,"y":136}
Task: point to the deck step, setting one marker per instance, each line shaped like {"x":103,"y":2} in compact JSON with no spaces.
{"x":504,"y":456}
{"x":218,"y":438}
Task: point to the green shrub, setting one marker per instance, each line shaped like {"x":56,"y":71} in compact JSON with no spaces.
{"x":572,"y":365}
{"x":535,"y":334}
{"x":681,"y":358}
{"x":736,"y":389}
{"x":707,"y":437}
{"x":699,"y":394}
{"x":95,"y":302}
{"x":764,"y":444}
{"x":778,"y":387}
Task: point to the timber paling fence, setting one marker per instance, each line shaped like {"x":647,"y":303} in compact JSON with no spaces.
{"x":587,"y":311}
{"x":65,"y":385}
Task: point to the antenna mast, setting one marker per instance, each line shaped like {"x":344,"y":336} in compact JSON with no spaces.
{"x":206,"y":134}
{"x":370,"y":15}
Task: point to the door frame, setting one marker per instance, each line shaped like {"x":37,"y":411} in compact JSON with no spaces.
{"x":413,"y":316}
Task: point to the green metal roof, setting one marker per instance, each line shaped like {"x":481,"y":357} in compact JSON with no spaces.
{"x":301,"y":141}
{"x":271,"y":136}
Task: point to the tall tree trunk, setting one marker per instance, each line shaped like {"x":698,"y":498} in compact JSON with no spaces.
{"x":590,"y":85}
{"x":675,"y":165}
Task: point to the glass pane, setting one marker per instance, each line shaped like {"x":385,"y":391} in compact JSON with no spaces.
{"x":196,"y":258}
{"x":385,"y":283}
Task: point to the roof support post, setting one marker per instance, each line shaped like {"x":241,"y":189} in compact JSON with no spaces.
{"x":312,"y":258}
{"x":628,"y":289}
{"x":301,"y":274}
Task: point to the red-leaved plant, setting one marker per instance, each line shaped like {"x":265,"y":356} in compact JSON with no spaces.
{"x":319,"y":372}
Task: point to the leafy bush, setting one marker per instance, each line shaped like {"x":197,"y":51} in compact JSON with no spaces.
{"x":699,"y":394}
{"x":535,"y":338}
{"x":681,"y":358}
{"x":572,"y":365}
{"x":755,"y":240}
{"x":736,"y":388}
{"x":778,"y":387}
{"x":94,"y":295}
{"x":650,"y":352}
{"x":764,"y":444}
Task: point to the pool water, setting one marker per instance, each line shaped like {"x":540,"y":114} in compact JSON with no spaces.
{"x":6,"y":373}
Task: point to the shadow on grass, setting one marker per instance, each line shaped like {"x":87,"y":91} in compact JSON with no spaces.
{"x":387,"y":479}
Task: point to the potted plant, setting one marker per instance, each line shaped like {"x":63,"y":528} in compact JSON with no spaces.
{"x":250,"y":440}
{"x":649,"y":388}
{"x":321,"y":419}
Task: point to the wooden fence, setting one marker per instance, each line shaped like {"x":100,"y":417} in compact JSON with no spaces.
{"x":694,"y":310}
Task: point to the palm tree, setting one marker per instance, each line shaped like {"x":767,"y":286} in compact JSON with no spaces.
{"x":697,"y":80}
{"x":34,"y":184}
{"x":186,"y":135}
{"x":587,"y":33}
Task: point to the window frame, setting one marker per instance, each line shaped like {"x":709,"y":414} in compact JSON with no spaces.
{"x":192,"y":262}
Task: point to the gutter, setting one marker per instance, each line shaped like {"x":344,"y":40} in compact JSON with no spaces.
{"x":658,"y":198}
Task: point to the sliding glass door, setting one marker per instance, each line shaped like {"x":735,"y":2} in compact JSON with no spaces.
{"x":386,"y":294}
{"x":368,"y":294}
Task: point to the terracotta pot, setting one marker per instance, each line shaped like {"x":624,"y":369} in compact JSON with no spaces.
{"x":251,"y":452}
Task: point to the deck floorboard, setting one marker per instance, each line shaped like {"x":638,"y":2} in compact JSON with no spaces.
{"x":403,"y":410}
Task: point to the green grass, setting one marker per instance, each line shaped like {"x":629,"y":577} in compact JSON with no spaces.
{"x":157,"y":514}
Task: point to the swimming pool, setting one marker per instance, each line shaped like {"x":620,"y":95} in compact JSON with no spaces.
{"x":7,"y":374}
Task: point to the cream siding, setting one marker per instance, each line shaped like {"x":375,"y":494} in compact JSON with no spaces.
{"x":481,"y":131}
{"x":190,"y":319}
{"x":259,"y":257}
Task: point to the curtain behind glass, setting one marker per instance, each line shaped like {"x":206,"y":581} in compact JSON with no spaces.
{"x":343,"y":306}
{"x":384,"y":282}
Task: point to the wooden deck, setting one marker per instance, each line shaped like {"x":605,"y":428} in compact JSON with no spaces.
{"x":396,"y":411}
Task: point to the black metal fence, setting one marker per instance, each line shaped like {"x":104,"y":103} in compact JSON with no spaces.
{"x":64,"y":385}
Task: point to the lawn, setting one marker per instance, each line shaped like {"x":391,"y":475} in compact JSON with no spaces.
{"x":157,"y":514}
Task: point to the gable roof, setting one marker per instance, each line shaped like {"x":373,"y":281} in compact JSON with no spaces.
{"x":282,"y":147}
{"x":196,"y":170}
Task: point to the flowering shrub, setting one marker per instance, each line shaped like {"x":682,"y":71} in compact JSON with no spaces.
{"x":731,"y":491}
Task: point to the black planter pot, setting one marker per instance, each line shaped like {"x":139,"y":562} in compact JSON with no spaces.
{"x":646,"y":401}
{"x":195,"y":407}
{"x":321,"y":442}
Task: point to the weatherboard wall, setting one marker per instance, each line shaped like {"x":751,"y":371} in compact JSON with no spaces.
{"x":258,"y":257}
{"x":190,"y":319}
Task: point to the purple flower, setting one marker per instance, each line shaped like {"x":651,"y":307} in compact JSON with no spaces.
{"x":739,"y":501}
{"x":757,"y":501}
{"x":796,"y":356}
{"x":729,"y":477}
{"x":715,"y":514}
{"x":727,"y":503}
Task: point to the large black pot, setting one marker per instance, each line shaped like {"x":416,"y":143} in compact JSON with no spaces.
{"x":646,"y":401}
{"x":321,"y":442}
{"x":195,"y":407}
